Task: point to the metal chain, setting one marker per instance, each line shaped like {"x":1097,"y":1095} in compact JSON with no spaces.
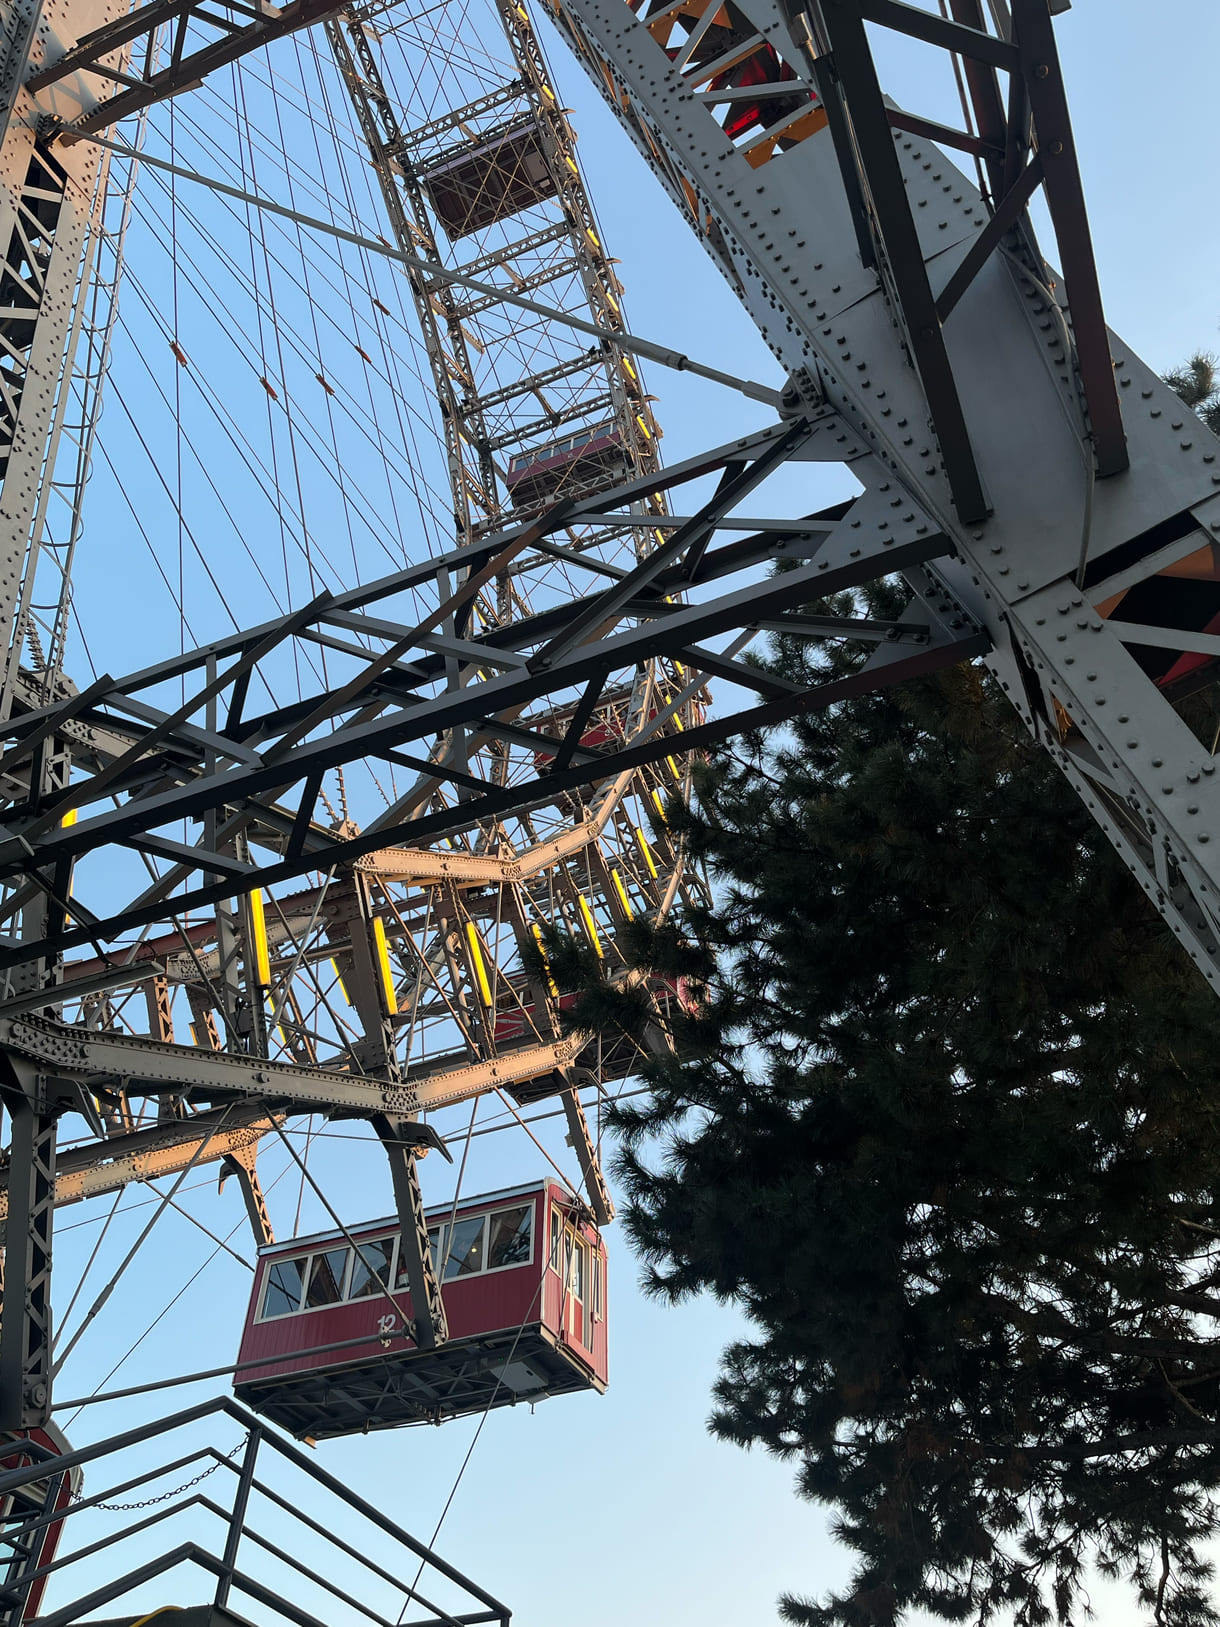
{"x":151,"y":1502}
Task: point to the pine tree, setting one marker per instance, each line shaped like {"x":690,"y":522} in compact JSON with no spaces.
{"x":946,"y":1126}
{"x":1197,"y":383}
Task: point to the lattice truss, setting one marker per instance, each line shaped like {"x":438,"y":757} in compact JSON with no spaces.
{"x":404,"y":977}
{"x":491,"y":186}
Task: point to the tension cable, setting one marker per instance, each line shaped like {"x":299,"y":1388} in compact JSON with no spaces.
{"x":646,"y":348}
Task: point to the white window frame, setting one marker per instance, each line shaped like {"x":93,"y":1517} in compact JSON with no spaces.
{"x":284,"y":1259}
{"x":363,"y":1242}
{"x":442,"y":1227}
{"x":515,"y":1265}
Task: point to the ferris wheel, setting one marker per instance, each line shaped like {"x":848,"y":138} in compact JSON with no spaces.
{"x":276,"y":415}
{"x":285,"y":417}
{"x":414,"y":630}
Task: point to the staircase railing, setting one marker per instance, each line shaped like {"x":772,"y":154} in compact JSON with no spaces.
{"x":362,"y":1565}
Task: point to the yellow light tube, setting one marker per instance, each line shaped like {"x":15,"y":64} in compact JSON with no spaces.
{"x":69,"y":819}
{"x":258,"y":931}
{"x":622,"y":893}
{"x":646,"y":852}
{"x":334,"y":966}
{"x":476,"y":960}
{"x":383,"y":962}
{"x":591,"y":932}
{"x":550,"y":981}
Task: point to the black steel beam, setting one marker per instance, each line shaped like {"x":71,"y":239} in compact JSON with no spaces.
{"x":25,"y":1329}
{"x":973,"y":43}
{"x":499,"y":800}
{"x":908,"y":274}
{"x":1035,"y":38}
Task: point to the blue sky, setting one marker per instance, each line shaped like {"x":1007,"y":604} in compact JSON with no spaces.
{"x":621,"y":1508}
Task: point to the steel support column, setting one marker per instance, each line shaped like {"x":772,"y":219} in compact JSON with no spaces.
{"x":25,"y":1325}
{"x":404,"y":1141}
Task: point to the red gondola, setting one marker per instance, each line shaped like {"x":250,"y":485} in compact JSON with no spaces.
{"x":525,"y":1295}
{"x":587,"y":460}
{"x":29,"y":1537}
{"x":487,"y":180}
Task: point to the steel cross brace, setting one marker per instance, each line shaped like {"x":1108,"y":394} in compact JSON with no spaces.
{"x":122,"y":53}
{"x":874,"y":538}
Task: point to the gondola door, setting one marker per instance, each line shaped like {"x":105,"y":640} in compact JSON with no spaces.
{"x":576,"y":1273}
{"x":576,"y":1308}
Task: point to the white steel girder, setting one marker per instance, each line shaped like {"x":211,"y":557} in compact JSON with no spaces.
{"x":783,"y":234}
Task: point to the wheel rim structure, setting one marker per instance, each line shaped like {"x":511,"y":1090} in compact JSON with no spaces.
{"x":407,"y":963}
